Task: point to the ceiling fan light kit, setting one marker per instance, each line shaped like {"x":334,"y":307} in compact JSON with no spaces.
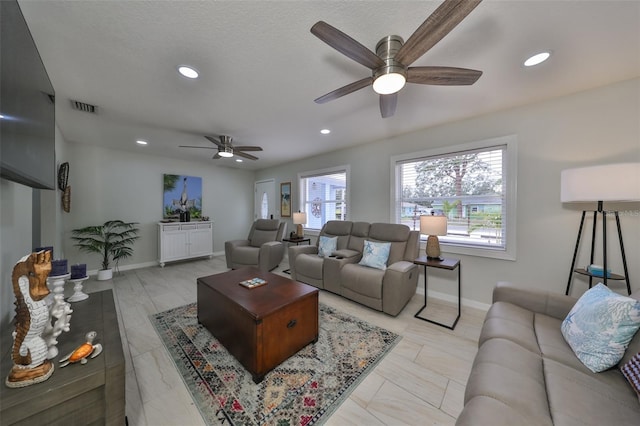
{"x":391,"y":77}
{"x":225,"y":151}
{"x":390,"y":64}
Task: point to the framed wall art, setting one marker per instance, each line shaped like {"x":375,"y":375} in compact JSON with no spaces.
{"x":285,"y":199}
{"x":182,"y":194}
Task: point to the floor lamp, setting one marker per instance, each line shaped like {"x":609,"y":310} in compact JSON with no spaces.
{"x":613,"y":183}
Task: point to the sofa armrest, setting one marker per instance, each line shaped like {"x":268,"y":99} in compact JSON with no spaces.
{"x":332,"y":267}
{"x":543,"y":302}
{"x":271,"y":254}
{"x":398,"y":286}
{"x":294,"y":252}
{"x":228,"y":250}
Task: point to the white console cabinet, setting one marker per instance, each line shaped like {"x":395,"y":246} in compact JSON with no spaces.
{"x":184,"y":240}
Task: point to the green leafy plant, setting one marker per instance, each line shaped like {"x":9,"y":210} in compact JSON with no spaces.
{"x":113,"y":240}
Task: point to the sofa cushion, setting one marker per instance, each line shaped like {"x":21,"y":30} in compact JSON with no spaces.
{"x":362,"y":280}
{"x":584,"y":398}
{"x":375,"y":255}
{"x":511,"y":374}
{"x":511,"y":322}
{"x":600,"y":327}
{"x":359,"y":232}
{"x":246,"y":255}
{"x":327,"y":245}
{"x":264,"y":230}
{"x":309,"y":265}
{"x":396,"y":234}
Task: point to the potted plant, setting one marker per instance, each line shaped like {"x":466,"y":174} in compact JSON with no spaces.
{"x":113,"y":240}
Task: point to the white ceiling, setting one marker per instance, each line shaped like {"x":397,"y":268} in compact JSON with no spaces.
{"x":261,"y":68}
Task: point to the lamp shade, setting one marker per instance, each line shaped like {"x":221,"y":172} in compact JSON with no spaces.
{"x":299,"y":218}
{"x":433,"y":225}
{"x":611,"y":182}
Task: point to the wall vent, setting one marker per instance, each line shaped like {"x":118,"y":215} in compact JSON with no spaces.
{"x":84,"y":107}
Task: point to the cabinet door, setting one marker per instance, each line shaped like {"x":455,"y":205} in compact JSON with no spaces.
{"x":201,"y":242}
{"x":174,"y":245}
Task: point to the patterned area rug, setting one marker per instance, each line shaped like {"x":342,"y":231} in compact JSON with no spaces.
{"x":304,"y":390}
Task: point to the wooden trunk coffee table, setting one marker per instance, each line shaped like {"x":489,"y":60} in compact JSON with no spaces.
{"x":262,"y":326}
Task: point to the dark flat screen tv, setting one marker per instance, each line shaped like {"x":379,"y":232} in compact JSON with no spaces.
{"x":27,"y":105}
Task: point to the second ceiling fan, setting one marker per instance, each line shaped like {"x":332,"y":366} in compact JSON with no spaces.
{"x":390,"y":64}
{"x":226,"y":148}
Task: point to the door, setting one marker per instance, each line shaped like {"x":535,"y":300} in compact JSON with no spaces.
{"x":265,"y":206}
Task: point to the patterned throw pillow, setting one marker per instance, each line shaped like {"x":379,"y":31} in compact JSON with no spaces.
{"x":375,"y":255}
{"x":631,"y":371}
{"x":600,"y":326}
{"x":327,"y":246}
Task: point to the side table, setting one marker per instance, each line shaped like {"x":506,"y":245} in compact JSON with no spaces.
{"x":443,"y":263}
{"x":297,"y":241}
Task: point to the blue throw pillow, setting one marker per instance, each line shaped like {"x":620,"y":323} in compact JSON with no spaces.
{"x":375,"y":255}
{"x":600,"y":326}
{"x":327,"y":245}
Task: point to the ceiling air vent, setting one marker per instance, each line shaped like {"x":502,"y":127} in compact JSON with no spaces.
{"x":81,"y":106}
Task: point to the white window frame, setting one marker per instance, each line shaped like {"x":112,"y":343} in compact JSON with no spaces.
{"x":346,"y":169}
{"x":510,"y":173}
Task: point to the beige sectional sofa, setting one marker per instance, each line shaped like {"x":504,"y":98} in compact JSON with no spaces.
{"x":526,"y":374}
{"x":386,"y":290}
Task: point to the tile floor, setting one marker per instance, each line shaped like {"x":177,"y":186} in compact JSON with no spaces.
{"x":421,"y":381}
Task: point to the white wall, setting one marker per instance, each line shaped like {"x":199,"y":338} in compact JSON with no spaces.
{"x":110,"y":184}
{"x":593,"y":127}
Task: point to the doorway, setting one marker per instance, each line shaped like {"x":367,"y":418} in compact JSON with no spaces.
{"x":265,"y":206}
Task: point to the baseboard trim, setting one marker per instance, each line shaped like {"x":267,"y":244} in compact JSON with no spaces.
{"x":454,"y":299}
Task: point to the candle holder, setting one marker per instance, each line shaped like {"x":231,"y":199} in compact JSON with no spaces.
{"x":60,"y":310}
{"x":78,"y":294}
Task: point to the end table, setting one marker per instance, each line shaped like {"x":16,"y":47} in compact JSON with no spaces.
{"x":443,"y":263}
{"x":297,"y":241}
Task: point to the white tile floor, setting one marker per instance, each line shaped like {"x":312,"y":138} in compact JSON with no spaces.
{"x":421,"y":381}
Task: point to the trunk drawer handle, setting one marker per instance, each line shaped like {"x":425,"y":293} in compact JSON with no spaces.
{"x":292,"y":323}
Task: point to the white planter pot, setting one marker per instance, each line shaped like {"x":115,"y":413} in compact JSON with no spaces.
{"x":105,"y":274}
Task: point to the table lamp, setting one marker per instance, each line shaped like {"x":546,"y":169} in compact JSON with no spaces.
{"x":299,"y":219}
{"x":433,"y":226}
{"x":611,"y":182}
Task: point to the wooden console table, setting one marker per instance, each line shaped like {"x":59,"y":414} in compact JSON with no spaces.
{"x":77,"y":394}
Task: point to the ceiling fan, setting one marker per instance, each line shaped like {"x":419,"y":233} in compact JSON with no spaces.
{"x":390,"y":64}
{"x":227,"y":149}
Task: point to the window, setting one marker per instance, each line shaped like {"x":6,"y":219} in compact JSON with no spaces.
{"x":324,"y":195}
{"x":473,"y":185}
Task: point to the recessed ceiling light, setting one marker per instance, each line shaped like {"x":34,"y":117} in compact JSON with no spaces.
{"x":1,"y":116}
{"x":325,"y":131}
{"x":188,"y":71}
{"x":238,"y":160}
{"x":141,"y":142}
{"x":537,"y":59}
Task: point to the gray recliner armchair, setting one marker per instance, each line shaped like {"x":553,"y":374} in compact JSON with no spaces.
{"x":263,"y":248}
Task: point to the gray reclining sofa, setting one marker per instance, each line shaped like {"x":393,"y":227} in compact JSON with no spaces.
{"x":386,"y":290}
{"x":526,"y":374}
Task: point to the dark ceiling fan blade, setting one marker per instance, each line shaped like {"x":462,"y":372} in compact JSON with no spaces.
{"x":443,"y":76}
{"x":346,"y":45}
{"x":214,"y":140}
{"x":434,"y":28}
{"x":247,"y":148}
{"x":388,"y":104}
{"x":345,"y":90}
{"x":245,"y":155}
{"x":191,"y":146}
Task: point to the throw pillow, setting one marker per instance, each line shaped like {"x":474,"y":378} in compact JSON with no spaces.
{"x":600,"y":326}
{"x":327,"y":245}
{"x":631,"y":371}
{"x":375,"y":255}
